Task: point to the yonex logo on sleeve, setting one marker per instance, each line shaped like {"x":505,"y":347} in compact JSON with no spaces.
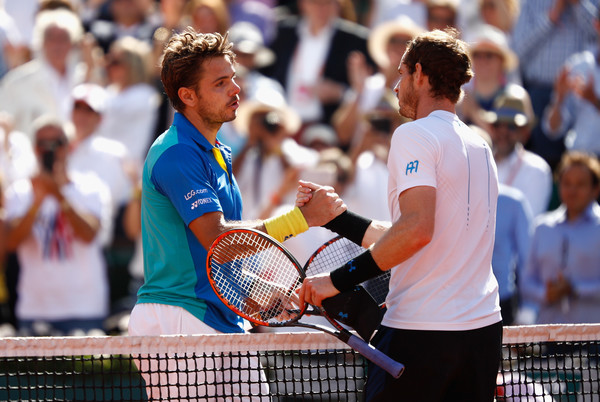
{"x":412,"y":167}
{"x":199,"y":202}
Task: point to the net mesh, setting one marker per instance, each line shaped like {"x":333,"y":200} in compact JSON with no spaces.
{"x":540,"y":363}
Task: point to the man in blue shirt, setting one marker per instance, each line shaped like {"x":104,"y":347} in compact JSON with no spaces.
{"x":190,"y":197}
{"x":511,"y":247}
{"x":563,"y":269}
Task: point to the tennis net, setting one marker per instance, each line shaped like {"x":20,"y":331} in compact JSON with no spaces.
{"x":540,"y":363}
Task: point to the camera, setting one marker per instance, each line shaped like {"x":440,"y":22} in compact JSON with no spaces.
{"x":48,"y":157}
{"x":48,"y":149}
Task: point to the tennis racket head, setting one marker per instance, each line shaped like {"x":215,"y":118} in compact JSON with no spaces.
{"x":338,"y":251}
{"x":256,"y":277}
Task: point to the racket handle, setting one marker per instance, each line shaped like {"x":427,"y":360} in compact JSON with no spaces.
{"x":394,"y":368}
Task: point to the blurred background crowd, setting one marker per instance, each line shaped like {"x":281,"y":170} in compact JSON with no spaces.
{"x":81,"y":97}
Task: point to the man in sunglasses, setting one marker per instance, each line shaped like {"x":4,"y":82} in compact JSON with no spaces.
{"x":510,"y":123}
{"x":53,"y":221}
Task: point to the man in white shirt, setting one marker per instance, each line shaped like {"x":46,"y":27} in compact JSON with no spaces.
{"x":93,"y":153}
{"x":43,"y":85}
{"x":510,"y":123}
{"x":443,"y":317}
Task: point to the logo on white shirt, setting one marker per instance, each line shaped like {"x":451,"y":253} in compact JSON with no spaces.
{"x":412,"y":167}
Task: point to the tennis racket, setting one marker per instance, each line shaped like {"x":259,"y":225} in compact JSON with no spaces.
{"x":335,"y":253}
{"x":361,"y":308}
{"x":256,"y":277}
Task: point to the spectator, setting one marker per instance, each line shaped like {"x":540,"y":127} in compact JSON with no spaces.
{"x":333,"y":168}
{"x":51,"y":75}
{"x":320,"y":137}
{"x":442,"y":14}
{"x":494,"y":66}
{"x":511,"y":248}
{"x":388,"y":10}
{"x":509,"y":124}
{"x":574,"y":112}
{"x":270,"y":158}
{"x":501,"y":14}
{"x":128,"y":18}
{"x":132,"y":102}
{"x":511,"y":245}
{"x":207,"y":16}
{"x":562,"y":274}
{"x":53,"y":221}
{"x":90,"y":152}
{"x":312,"y":51}
{"x":251,"y":55}
{"x":261,"y":13}
{"x":369,"y":92}
{"x":546,"y":33}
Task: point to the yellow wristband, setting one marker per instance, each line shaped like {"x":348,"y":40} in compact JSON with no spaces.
{"x":288,"y":225}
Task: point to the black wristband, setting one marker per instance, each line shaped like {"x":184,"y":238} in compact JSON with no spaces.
{"x":355,"y":271}
{"x":350,"y":225}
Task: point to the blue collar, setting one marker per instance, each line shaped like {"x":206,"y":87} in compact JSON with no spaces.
{"x":188,"y":132}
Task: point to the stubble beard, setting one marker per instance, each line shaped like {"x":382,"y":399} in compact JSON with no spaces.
{"x":408,"y":104}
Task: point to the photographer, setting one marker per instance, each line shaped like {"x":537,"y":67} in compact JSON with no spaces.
{"x":269,"y":165}
{"x":52,"y":223}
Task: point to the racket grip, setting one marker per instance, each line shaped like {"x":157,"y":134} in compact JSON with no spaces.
{"x":394,"y":368}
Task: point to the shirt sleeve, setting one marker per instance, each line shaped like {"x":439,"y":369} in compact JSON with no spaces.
{"x":188,"y":182}
{"x":413,"y":158}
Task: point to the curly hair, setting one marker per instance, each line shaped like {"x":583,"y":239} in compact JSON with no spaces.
{"x":184,"y":57}
{"x":444,"y":59}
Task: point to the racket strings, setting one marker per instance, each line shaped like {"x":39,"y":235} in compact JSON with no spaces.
{"x":256,"y":278}
{"x":336,"y":253}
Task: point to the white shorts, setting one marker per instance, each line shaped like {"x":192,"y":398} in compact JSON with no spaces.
{"x":209,"y":378}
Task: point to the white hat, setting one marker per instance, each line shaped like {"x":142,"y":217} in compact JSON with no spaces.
{"x":93,"y":95}
{"x":247,"y":38}
{"x":319,"y":132}
{"x":382,"y":33}
{"x":489,"y":38}
{"x":267,"y":100}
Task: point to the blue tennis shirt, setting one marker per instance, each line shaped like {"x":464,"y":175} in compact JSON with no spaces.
{"x":182,"y":181}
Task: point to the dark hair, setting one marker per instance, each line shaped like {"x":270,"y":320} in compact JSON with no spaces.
{"x":579,"y":158}
{"x":444,"y":59}
{"x":184,"y":57}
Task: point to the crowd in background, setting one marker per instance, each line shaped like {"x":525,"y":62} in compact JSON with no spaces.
{"x":81,"y":101}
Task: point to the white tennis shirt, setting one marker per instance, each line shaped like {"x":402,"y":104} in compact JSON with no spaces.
{"x":449,"y":284}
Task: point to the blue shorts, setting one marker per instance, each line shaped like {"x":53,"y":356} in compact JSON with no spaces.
{"x":440,"y":366}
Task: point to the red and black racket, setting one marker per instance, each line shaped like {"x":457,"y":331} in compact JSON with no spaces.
{"x":256,"y":277}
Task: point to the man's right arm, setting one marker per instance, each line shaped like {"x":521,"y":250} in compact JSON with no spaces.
{"x":326,"y":205}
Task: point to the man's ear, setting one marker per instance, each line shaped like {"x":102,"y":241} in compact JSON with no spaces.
{"x":187,"y":96}
{"x":418,"y":74}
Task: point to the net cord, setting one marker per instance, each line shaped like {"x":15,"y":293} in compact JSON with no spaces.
{"x":222,"y":343}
